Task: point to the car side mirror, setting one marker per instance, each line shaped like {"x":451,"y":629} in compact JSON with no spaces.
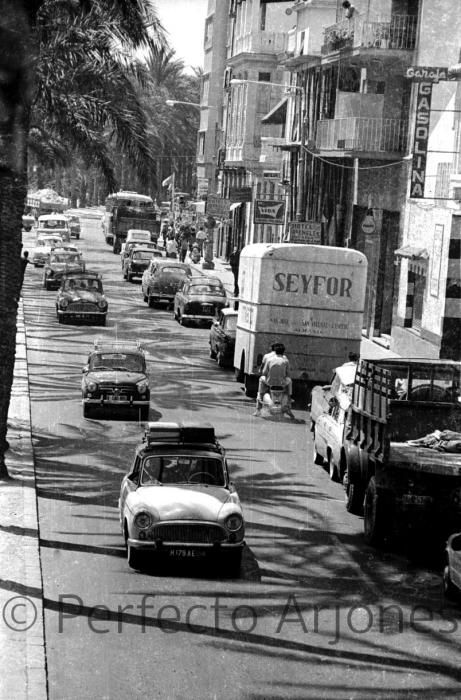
{"x":85,"y":369}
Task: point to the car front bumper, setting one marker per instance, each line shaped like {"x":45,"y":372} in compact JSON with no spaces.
{"x":115,"y":402}
{"x":149,"y":546}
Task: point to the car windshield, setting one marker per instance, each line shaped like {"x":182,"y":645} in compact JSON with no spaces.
{"x":65,"y":258}
{"x":82,"y":283}
{"x":182,"y":469}
{"x":207,"y":289}
{"x":53,"y":223}
{"x":131,"y":362}
{"x":142,"y":255}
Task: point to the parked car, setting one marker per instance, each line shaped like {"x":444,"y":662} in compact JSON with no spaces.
{"x":222,"y":337}
{"x":161,"y":280}
{"x":137,"y":261}
{"x":115,"y":377}
{"x":329,"y":409}
{"x":54,"y":224}
{"x":127,"y":248}
{"x":177,"y":500}
{"x":42,"y":250}
{"x":61,"y":262}
{"x":199,"y":299}
{"x":28,"y":220}
{"x":452,"y":570}
{"x":81,"y":298}
{"x":74,"y":226}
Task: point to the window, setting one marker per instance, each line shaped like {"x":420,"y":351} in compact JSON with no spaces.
{"x":201,"y":143}
{"x":264,"y":77}
{"x":442,"y":181}
{"x":262,"y":24}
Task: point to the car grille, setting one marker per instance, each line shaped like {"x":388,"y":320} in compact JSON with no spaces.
{"x":88,"y":307}
{"x":119,"y":388}
{"x":189,"y":532}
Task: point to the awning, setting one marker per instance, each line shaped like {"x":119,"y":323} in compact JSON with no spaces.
{"x":412,"y":253}
{"x":278,"y":114}
{"x":235,"y":205}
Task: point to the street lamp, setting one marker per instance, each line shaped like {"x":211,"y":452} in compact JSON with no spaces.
{"x":173,"y":103}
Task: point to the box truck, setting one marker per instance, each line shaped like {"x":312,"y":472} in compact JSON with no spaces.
{"x":310,"y":298}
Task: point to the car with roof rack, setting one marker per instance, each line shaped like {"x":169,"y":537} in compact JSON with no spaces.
{"x":61,"y":262}
{"x":177,"y":500}
{"x":81,"y":298}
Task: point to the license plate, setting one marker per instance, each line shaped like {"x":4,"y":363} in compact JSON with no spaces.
{"x":116,"y":397}
{"x":411,"y":499}
{"x":207,"y":309}
{"x":185,"y":553}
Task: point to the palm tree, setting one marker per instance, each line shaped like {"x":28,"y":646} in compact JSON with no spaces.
{"x":67,"y":68}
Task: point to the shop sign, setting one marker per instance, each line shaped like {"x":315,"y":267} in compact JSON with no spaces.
{"x":240,"y":194}
{"x":217,"y":206}
{"x":420,"y":140}
{"x":304,"y":232}
{"x":269,"y":211}
{"x":428,"y":73}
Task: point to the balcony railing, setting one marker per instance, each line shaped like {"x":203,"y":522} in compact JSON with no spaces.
{"x":261,"y":42}
{"x":362,"y":134}
{"x":399,"y":33}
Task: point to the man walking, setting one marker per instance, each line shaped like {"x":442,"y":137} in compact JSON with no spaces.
{"x":234,"y":262}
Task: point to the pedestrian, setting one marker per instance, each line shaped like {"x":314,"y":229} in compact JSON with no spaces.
{"x":171,"y":247}
{"x":234,"y":261}
{"x":201,"y":238}
{"x":184,"y":247}
{"x":24,"y":261}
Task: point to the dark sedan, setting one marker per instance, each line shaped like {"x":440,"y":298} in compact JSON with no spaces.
{"x":81,"y":298}
{"x":199,"y":299}
{"x":61,"y":262}
{"x":162,"y":279}
{"x":138,"y":260}
{"x":222,"y":337}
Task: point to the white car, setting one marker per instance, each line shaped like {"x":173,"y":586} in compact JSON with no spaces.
{"x":43,"y":247}
{"x":138,"y":234}
{"x":54,"y":224}
{"x":329,"y":410}
{"x":177,"y":500}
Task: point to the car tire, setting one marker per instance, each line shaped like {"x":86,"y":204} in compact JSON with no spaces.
{"x":45,"y":283}
{"x":144,"y":413}
{"x":150,"y":302}
{"x":449,"y":588}
{"x":212,"y":352}
{"x":374,"y":521}
{"x":77,"y":236}
{"x":220,"y":359}
{"x":250,"y":386}
{"x":129,"y":276}
{"x":182,"y":321}
{"x":135,"y":558}
{"x":331,"y":467}
{"x":354,"y":498}
{"x":144,"y":298}
{"x":60,"y":319}
{"x":87,"y":411}
{"x":233,"y":563}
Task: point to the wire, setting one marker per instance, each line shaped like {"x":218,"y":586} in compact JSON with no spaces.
{"x":351,"y":167}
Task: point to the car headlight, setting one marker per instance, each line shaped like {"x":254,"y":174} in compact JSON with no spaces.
{"x":64,"y":303}
{"x":142,"y":386}
{"x":234,"y":522}
{"x":142,"y":520}
{"x":102,"y":303}
{"x":91,"y":386}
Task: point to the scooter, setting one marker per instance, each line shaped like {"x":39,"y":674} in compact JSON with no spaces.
{"x":276,"y":403}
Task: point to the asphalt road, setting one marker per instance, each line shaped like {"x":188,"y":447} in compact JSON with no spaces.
{"x":315,"y":613}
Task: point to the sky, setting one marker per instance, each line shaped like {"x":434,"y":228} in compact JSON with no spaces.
{"x":185,"y":22}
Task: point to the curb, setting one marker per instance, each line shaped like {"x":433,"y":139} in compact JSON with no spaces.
{"x":22,"y":636}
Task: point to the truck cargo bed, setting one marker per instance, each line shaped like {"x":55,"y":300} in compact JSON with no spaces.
{"x":424,"y":459}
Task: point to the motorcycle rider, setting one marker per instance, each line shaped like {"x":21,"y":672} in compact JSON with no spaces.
{"x":275,"y":372}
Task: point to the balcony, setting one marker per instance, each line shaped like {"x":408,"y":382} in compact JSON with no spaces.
{"x":261,"y":42}
{"x":399,"y":33}
{"x":362,"y":135}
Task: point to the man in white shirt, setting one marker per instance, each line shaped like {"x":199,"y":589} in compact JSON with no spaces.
{"x":275,"y":372}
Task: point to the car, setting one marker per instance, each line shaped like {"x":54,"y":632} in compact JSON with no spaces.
{"x":127,"y":247}
{"x":28,"y":220}
{"x":199,"y":299}
{"x":137,"y":261}
{"x":222,"y":337}
{"x":161,"y":280}
{"x":81,"y":298}
{"x":329,"y":411}
{"x":452,"y":570}
{"x":42,"y":250}
{"x":177,"y":501}
{"x":61,"y":262}
{"x":115,"y":377}
{"x":138,"y":234}
{"x":74,"y":226}
{"x":55,"y":224}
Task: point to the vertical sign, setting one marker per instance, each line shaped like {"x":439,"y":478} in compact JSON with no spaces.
{"x":421,"y":137}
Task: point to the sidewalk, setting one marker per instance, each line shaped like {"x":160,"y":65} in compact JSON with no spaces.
{"x":22,"y":643}
{"x":369,"y":349}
